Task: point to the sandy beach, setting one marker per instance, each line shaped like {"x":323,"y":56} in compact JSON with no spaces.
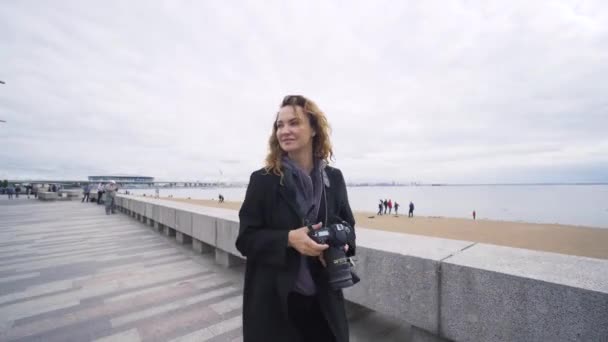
{"x":574,"y":240}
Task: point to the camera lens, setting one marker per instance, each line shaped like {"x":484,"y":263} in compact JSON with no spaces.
{"x":338,"y":268}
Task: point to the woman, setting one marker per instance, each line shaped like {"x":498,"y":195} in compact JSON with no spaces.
{"x":287,"y":296}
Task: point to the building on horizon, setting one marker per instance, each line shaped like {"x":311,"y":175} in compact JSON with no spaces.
{"x":123,"y":179}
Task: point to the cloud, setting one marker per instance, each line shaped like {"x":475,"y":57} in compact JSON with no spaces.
{"x":436,"y":91}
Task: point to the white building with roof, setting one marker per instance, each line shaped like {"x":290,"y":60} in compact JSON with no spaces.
{"x":122,"y":179}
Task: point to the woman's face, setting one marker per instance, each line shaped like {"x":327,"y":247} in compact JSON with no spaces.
{"x":293,"y":130}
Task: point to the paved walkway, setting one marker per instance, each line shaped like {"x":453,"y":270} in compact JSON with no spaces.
{"x":68,"y":272}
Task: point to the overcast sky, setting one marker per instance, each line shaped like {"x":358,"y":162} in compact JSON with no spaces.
{"x":429,"y":91}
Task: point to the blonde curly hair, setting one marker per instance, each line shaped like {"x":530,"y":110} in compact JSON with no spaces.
{"x":321,"y":144}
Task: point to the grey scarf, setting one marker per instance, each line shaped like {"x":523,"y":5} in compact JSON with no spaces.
{"x":308,"y":189}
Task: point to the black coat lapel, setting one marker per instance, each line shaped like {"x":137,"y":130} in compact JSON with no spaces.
{"x":289,"y":196}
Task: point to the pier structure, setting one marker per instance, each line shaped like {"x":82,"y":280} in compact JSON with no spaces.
{"x":169,"y":271}
{"x":438,"y":289}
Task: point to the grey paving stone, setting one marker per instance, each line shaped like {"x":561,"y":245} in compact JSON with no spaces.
{"x":85,"y":331}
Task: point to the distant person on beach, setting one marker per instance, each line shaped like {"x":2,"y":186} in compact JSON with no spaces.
{"x":110,"y":190}
{"x":287,"y":295}
{"x":390,"y":206}
{"x":474,"y":215}
{"x":396,"y":208}
{"x":380,"y":206}
{"x":385,"y":203}
{"x":411,"y":212}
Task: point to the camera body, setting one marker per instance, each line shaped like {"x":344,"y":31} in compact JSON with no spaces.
{"x":338,"y":265}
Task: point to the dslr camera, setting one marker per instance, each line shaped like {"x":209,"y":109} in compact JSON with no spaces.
{"x":338,"y":265}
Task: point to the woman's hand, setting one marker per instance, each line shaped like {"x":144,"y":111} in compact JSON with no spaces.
{"x":299,"y":239}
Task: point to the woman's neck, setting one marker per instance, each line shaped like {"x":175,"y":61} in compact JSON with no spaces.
{"x":303,"y":159}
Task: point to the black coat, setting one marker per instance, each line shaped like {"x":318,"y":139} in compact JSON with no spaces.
{"x":268,"y":213}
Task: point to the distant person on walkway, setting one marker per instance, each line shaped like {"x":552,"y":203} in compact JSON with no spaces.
{"x":287,"y":295}
{"x":157,"y":193}
{"x":87,"y":192}
{"x":54,"y":188}
{"x":474,"y":215}
{"x":411,"y":212}
{"x":396,"y":208}
{"x":28,"y":190}
{"x":10,"y":191}
{"x":380,"y":206}
{"x":220,"y":198}
{"x":35,"y":190}
{"x":17,"y":191}
{"x":390,"y":206}
{"x":110,"y":190}
{"x":99,"y":193}
{"x":385,"y":203}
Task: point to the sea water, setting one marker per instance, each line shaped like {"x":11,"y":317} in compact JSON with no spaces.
{"x":584,"y":205}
